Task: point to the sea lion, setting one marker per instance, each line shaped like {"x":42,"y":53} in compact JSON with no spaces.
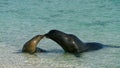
{"x":70,"y":43}
{"x":31,"y":45}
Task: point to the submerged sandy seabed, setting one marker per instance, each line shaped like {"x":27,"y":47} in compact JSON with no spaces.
{"x":11,"y":57}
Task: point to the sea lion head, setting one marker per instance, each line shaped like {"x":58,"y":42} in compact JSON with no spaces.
{"x":53,"y":34}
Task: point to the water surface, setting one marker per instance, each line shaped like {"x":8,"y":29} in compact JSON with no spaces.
{"x":89,"y":20}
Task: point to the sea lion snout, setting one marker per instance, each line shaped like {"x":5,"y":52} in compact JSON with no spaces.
{"x":50,"y":34}
{"x":46,"y":35}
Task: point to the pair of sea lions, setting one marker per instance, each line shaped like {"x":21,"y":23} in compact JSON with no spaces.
{"x":69,"y":42}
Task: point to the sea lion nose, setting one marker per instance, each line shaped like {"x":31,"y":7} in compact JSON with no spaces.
{"x":46,"y":35}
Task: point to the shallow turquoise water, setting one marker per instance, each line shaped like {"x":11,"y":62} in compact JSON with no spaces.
{"x":90,"y":20}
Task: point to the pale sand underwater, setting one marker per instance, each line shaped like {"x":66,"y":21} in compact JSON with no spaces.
{"x":11,"y":57}
{"x":90,"y":20}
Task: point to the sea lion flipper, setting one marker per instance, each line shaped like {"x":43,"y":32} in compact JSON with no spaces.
{"x":40,"y":50}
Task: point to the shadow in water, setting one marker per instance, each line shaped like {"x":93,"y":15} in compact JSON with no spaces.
{"x":45,"y":51}
{"x":56,"y":51}
{"x":94,"y":46}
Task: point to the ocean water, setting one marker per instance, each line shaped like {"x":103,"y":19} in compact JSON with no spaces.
{"x":89,"y":20}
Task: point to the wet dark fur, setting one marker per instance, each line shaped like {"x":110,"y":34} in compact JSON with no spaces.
{"x":70,"y":43}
